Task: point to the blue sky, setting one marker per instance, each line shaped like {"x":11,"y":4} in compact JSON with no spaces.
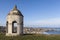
{"x":37,"y":13}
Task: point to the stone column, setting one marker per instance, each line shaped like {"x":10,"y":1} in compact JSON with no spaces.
{"x":10,"y":28}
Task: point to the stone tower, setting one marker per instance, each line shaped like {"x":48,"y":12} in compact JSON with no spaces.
{"x":14,"y":16}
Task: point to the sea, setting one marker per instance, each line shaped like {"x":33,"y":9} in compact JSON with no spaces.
{"x":56,"y":31}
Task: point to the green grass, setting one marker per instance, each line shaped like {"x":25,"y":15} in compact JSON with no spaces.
{"x":30,"y":37}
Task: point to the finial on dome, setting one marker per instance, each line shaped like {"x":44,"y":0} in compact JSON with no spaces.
{"x":15,"y":7}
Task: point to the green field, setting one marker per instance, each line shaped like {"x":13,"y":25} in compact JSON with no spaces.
{"x":31,"y":37}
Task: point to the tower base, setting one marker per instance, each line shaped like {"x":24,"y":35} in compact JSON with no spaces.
{"x":12,"y":34}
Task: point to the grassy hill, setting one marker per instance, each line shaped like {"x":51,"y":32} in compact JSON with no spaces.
{"x":31,"y":37}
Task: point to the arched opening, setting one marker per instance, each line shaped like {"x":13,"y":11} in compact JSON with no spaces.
{"x":7,"y":26}
{"x":14,"y":27}
{"x":21,"y":26}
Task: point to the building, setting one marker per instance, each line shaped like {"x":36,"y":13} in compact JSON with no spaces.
{"x":14,"y":16}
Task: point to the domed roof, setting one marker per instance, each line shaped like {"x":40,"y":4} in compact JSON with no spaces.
{"x":15,"y":11}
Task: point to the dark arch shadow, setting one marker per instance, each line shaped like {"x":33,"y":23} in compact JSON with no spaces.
{"x":14,"y":28}
{"x":7,"y":26}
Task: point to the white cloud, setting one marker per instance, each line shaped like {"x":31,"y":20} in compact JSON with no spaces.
{"x":46,"y":22}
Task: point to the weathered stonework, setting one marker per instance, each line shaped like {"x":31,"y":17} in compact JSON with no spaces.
{"x":14,"y":16}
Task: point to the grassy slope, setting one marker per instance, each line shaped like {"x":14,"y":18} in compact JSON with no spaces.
{"x":31,"y":37}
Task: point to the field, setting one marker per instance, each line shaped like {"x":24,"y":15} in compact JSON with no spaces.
{"x":31,"y":37}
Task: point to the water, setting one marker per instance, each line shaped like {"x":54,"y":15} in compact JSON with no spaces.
{"x":56,"y":31}
{"x":53,"y":32}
